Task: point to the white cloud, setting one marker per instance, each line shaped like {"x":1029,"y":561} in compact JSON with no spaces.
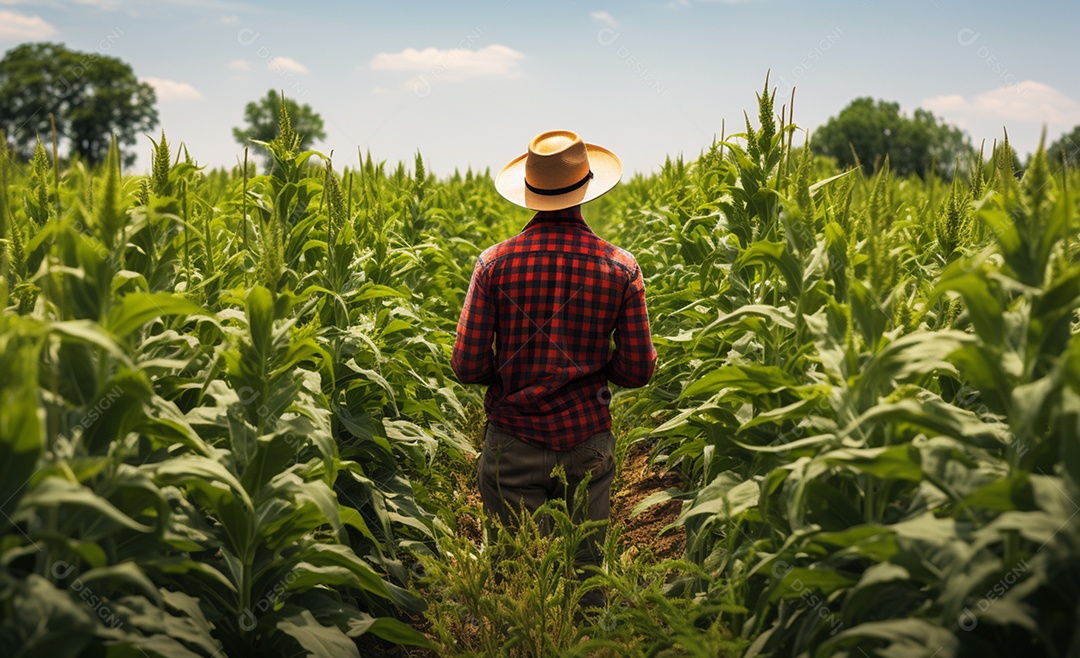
{"x":1023,"y":108}
{"x":603,"y":18}
{"x":286,"y":65}
{"x":678,"y":4}
{"x":240,"y":65}
{"x":20,"y":27}
{"x":1027,"y":101}
{"x":133,"y":8}
{"x":107,"y":5}
{"x":454,"y":63}
{"x":230,"y":20}
{"x":171,"y":90}
{"x":216,"y":5}
{"x":945,"y":103}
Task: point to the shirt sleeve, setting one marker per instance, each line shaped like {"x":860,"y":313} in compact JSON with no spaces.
{"x":473,"y":359}
{"x":634,"y":360}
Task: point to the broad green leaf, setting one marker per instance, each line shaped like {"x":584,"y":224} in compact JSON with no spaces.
{"x":44,"y":621}
{"x":53,"y":494}
{"x":22,"y":437}
{"x":913,"y":637}
{"x":753,"y":380}
{"x":797,"y":582}
{"x":899,"y":462}
{"x":391,"y":630}
{"x":314,"y":638}
{"x":136,"y":309}
{"x":725,"y":496}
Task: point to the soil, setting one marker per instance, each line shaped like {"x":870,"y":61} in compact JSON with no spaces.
{"x":468,"y":525}
{"x":640,"y":479}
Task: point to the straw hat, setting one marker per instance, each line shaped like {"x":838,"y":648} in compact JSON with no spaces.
{"x":558,"y":171}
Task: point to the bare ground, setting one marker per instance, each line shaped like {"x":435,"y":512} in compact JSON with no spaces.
{"x":641,"y":479}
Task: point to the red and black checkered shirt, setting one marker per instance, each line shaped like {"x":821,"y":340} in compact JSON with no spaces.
{"x":549,"y":299}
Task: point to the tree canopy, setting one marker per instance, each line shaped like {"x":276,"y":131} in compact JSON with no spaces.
{"x":261,"y":118}
{"x":1068,"y":145}
{"x":92,"y":97}
{"x":871,"y":130}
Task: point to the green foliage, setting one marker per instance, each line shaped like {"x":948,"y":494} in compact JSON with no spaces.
{"x":519,"y":595}
{"x":38,"y":204}
{"x":953,"y":225}
{"x":203,"y":465}
{"x":276,"y":118}
{"x":867,"y":387}
{"x":230,"y":426}
{"x":1066,"y":149}
{"x":92,"y":97}
{"x":865,"y":132}
{"x":158,"y":181}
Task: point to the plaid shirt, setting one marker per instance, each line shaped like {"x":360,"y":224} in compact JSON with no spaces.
{"x":549,"y":299}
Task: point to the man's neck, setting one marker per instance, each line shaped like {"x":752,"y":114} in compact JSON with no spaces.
{"x":565,"y":213}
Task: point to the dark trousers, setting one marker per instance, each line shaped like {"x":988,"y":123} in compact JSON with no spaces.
{"x":515,"y":475}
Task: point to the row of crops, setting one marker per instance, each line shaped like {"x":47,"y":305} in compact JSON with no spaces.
{"x":226,"y":400}
{"x":214,"y":388}
{"x":871,"y":386}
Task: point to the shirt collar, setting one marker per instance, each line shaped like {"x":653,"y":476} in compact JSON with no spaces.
{"x":571,"y":216}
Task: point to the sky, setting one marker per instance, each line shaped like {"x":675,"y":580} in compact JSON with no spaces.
{"x":469,"y":83}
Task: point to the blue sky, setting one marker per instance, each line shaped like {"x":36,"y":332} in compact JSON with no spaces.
{"x":469,"y":83}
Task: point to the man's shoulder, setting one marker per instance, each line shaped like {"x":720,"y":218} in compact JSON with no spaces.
{"x":588,"y":245}
{"x":619,"y":255}
{"x":497,"y":250}
{"x":519,"y":244}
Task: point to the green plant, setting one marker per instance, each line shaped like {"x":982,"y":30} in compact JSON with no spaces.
{"x":230,"y":427}
{"x":872,"y":410}
{"x":519,"y":595}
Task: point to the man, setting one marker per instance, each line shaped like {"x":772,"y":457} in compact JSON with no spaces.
{"x":549,"y":299}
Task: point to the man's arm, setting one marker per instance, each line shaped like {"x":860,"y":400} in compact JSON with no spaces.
{"x":634,"y":360}
{"x":473,"y":360}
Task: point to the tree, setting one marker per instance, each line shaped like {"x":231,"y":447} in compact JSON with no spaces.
{"x":262,"y":121}
{"x":1068,"y":145}
{"x":914,"y":145}
{"x":92,"y":97}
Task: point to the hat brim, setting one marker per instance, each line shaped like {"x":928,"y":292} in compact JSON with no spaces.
{"x":605,"y":166}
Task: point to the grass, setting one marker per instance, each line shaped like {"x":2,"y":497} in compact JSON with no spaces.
{"x":516,"y":595}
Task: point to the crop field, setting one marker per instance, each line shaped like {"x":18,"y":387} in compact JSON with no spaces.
{"x":229,"y":427}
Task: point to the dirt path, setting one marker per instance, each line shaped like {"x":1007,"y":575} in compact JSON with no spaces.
{"x":639,"y":479}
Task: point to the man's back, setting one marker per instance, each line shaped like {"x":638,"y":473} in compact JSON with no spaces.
{"x":552,"y":296}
